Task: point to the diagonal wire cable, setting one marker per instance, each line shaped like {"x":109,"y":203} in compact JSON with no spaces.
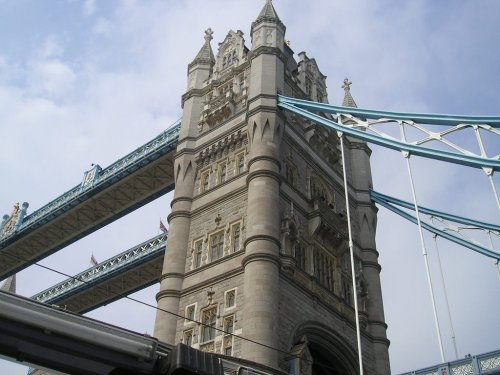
{"x":289,"y":354}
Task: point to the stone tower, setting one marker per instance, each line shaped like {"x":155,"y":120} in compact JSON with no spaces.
{"x":258,"y":233}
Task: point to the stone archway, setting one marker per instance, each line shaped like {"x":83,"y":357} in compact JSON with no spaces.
{"x":320,"y":351}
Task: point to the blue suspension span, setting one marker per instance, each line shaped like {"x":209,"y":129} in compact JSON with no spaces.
{"x":297,"y":106}
{"x":472,"y":246}
{"x":163,"y":143}
{"x":160,"y":145}
{"x":426,"y":118}
{"x":428,"y":211}
{"x":94,"y":276}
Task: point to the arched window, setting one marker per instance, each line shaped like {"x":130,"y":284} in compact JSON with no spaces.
{"x":321,"y":191}
{"x":216,"y":246}
{"x":230,"y":298}
{"x":236,"y":234}
{"x":209,"y":319}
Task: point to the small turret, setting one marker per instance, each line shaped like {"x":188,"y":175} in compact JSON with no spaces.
{"x":201,"y":67}
{"x":268,"y":30}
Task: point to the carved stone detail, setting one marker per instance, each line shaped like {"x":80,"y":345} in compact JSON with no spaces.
{"x":221,"y":148}
{"x":11,"y":223}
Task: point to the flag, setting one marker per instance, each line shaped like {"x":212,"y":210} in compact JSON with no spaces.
{"x":93,"y":261}
{"x":163,"y":228}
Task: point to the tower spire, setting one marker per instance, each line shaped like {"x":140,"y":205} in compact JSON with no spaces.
{"x":206,"y":54}
{"x":268,"y":12}
{"x":267,"y":29}
{"x":348,"y":99}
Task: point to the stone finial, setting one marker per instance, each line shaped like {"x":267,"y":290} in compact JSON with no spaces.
{"x":348,"y":99}
{"x":347,"y":85}
{"x":206,"y":55}
{"x":208,"y":35}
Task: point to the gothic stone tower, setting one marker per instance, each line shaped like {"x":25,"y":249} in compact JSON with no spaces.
{"x":258,"y":231}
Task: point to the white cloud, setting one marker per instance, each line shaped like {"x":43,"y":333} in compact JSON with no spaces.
{"x":127,"y":86}
{"x":51,"y":77}
{"x":51,"y":48}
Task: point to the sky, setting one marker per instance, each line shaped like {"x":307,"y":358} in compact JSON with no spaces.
{"x":85,"y":82}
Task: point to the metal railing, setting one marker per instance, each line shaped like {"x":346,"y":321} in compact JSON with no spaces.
{"x":487,"y":363}
{"x":90,"y":277}
{"x":160,"y":145}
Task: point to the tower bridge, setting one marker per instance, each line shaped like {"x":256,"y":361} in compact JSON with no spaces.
{"x":104,"y":196}
{"x":272,"y":256}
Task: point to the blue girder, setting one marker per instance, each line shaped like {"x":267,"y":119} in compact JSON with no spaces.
{"x":387,"y":202}
{"x":428,"y":211}
{"x":110,"y":268}
{"x":303,"y":108}
{"x":430,"y":119}
{"x":160,"y":145}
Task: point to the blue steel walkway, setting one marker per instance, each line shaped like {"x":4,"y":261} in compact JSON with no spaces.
{"x":104,"y":196}
{"x":110,"y":280}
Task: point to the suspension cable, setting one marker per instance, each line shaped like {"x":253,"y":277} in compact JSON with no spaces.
{"x":351,"y":251}
{"x":406,"y":155}
{"x":288,"y":354}
{"x":424,"y":253}
{"x":453,"y":337}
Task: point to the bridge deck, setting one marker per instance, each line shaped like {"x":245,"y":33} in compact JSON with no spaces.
{"x":112,"y":279}
{"x":104,"y":196}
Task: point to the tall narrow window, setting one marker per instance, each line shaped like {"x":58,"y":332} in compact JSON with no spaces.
{"x":230,"y":298}
{"x":216,"y":246}
{"x":209,"y":318}
{"x":228,"y":331}
{"x":197,"y":254}
{"x":236,"y":237}
{"x":229,"y":324}
{"x":190,"y":312}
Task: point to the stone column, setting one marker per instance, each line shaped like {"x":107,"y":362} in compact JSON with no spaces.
{"x":262,"y":262}
{"x":265,"y":129}
{"x":177,"y":248}
{"x":367,"y":218}
{"x":174,"y":264}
